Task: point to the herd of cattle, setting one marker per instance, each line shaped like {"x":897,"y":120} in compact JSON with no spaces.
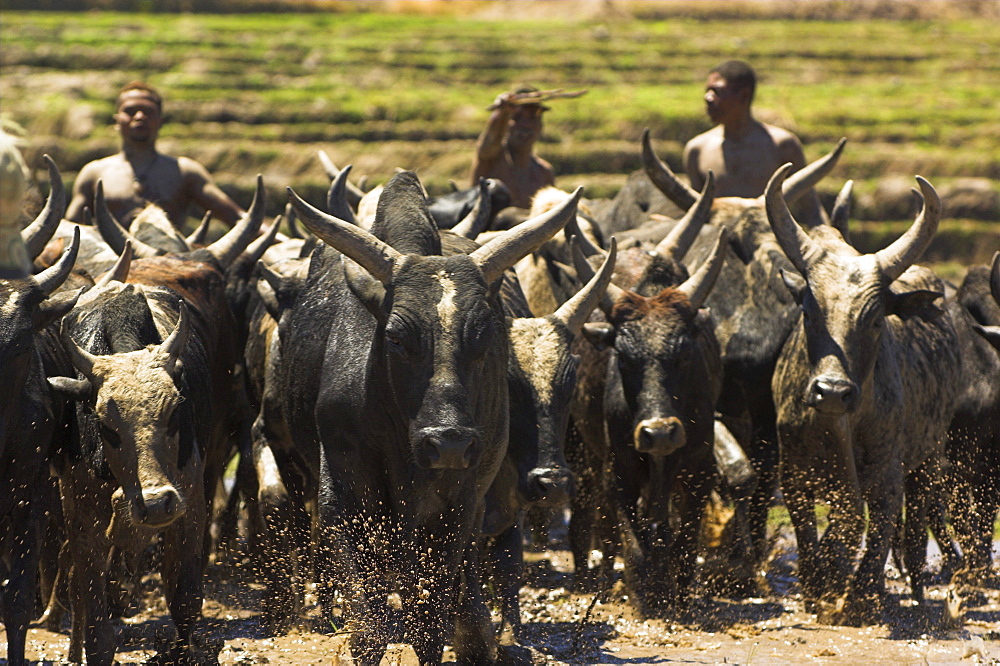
{"x":401,"y":388}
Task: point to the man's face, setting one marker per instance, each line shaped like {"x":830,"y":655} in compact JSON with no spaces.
{"x":525,"y":124}
{"x":722,"y":100}
{"x":138,"y":117}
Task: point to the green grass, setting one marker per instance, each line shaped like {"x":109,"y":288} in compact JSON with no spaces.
{"x":249,"y":93}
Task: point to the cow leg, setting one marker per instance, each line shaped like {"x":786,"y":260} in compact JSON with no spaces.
{"x":182,"y":577}
{"x":919,"y":494}
{"x":19,"y":588}
{"x":275,"y":507}
{"x":506,"y":559}
{"x":474,"y":641}
{"x":866,"y":596}
{"x":796,"y":480}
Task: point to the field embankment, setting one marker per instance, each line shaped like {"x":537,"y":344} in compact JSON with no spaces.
{"x":249,"y":93}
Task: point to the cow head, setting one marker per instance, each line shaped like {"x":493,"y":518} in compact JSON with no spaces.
{"x":543,"y":365}
{"x":845,"y":297}
{"x":138,"y":409}
{"x":440,"y":330}
{"x":658,"y":371}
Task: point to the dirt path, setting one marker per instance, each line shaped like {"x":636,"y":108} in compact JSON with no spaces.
{"x":565,"y":628}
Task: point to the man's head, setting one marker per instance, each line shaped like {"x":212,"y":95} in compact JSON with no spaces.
{"x":139,"y":112}
{"x":729,"y":90}
{"x":526,"y":120}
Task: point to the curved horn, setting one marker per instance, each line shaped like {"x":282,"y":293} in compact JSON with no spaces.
{"x":292,"y":220}
{"x":118,"y":272}
{"x":505,"y":250}
{"x":336,"y":197}
{"x":39,"y":232}
{"x":479,"y":217}
{"x":174,"y":344}
{"x":841,"y":213}
{"x":573,"y":230}
{"x":114,"y":234}
{"x":584,"y":271}
{"x":197,"y":236}
{"x":575,"y":312}
{"x":679,"y":240}
{"x":806,"y":178}
{"x":664,"y":179}
{"x":81,"y":358}
{"x":353,"y":193}
{"x":52,"y":277}
{"x":798,"y":247}
{"x":257,"y":248}
{"x":699,"y":285}
{"x":226,"y":249}
{"x":995,"y":277}
{"x":376,"y":257}
{"x":906,"y":249}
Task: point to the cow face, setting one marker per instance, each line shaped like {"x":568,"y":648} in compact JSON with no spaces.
{"x":137,"y":408}
{"x":656,"y":368}
{"x":439,"y":329}
{"x":544,"y":375}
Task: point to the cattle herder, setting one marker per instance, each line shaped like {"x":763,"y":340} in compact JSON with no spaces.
{"x":506,"y":148}
{"x":740,"y":150}
{"x":139,"y":175}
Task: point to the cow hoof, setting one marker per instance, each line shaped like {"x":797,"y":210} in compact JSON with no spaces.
{"x":514,"y":655}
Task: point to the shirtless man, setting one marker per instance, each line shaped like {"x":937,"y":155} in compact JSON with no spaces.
{"x":506,"y":147}
{"x":742,"y":151}
{"x":139,"y":175}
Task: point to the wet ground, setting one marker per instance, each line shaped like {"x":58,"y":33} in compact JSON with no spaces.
{"x":566,"y":628}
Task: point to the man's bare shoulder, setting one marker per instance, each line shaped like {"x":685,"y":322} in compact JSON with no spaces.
{"x":712,"y":137}
{"x":780,"y":136}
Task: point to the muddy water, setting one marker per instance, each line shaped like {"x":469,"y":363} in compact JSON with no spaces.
{"x":566,"y":628}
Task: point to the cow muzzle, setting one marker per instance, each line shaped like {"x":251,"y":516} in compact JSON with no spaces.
{"x":159,"y":507}
{"x":659,"y":437}
{"x":550,"y":486}
{"x":447,"y":448}
{"x":832,"y":395}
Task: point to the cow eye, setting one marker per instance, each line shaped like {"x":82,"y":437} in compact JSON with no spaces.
{"x":110,"y":435}
{"x":394,"y":341}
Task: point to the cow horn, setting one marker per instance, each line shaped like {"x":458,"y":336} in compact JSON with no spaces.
{"x":82,"y":359}
{"x":114,"y":234}
{"x":118,"y":272}
{"x":573,"y":230}
{"x":806,"y":178}
{"x":841,"y":213}
{"x":798,"y":247}
{"x":995,"y":277}
{"x":52,"y":277}
{"x":336,"y":197}
{"x":226,"y":249}
{"x":664,"y":179}
{"x":574,"y":312}
{"x":679,"y":240}
{"x":174,"y":344}
{"x":699,"y":285}
{"x":584,"y":271}
{"x":292,"y":220}
{"x":352,"y":192}
{"x":39,"y":232}
{"x":479,"y":217}
{"x":198,"y":236}
{"x":376,"y":257}
{"x":257,"y":248}
{"x":504,"y":251}
{"x":906,"y":249}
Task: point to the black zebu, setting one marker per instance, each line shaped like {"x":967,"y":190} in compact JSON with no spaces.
{"x":864,"y":389}
{"x":411,"y":418}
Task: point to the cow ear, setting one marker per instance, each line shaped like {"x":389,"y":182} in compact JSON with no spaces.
{"x":601,"y":334}
{"x":795,"y":283}
{"x":366,"y":288}
{"x":991,"y":333}
{"x":919,"y":302}
{"x":52,"y":309}
{"x":269,"y":299}
{"x":79,"y":390}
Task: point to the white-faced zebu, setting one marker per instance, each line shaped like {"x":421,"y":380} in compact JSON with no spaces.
{"x":645,"y":411}
{"x":864,"y":389}
{"x":29,"y":416}
{"x":410,"y":418}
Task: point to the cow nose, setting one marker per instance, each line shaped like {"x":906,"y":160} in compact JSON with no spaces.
{"x":660,"y":437}
{"x":831,"y":395}
{"x":447,"y":448}
{"x":550,"y":485}
{"x":160,"y":506}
